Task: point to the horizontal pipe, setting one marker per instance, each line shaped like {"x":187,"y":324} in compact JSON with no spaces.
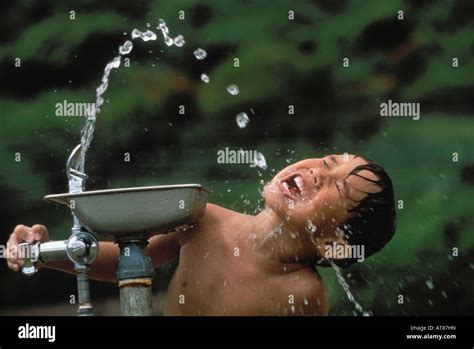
{"x":53,"y":251}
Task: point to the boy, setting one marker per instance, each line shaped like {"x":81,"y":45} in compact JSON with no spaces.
{"x":236,"y":264}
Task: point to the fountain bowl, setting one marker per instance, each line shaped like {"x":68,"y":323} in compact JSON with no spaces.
{"x":136,"y":212}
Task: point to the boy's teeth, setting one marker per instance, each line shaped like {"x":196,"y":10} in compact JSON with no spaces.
{"x":286,"y":186}
{"x":299,"y":182}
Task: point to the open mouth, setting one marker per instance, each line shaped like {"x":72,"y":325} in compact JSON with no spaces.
{"x":292,"y":186}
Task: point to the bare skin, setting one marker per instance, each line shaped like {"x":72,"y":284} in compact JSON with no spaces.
{"x":236,"y":264}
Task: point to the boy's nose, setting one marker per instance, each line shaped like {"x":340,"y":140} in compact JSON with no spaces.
{"x":315,"y":174}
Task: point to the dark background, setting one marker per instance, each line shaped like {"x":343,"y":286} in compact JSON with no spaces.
{"x":282,"y":62}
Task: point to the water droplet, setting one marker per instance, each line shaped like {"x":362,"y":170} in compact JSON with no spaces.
{"x":242,"y":119}
{"x":179,"y":41}
{"x":148,"y":35}
{"x":260,"y":161}
{"x":164,"y":30}
{"x":200,"y":54}
{"x":311,"y":227}
{"x":205,"y":78}
{"x":429,"y":284}
{"x":162,"y":26}
{"x":169,"y":41}
{"x":136,"y":33}
{"x":233,"y":90}
{"x":126,"y":48}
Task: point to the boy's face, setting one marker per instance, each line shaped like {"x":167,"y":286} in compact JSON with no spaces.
{"x":317,"y":192}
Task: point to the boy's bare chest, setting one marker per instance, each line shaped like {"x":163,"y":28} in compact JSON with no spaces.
{"x":229,"y":279}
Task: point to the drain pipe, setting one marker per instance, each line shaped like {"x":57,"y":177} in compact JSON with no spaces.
{"x":135,"y":273}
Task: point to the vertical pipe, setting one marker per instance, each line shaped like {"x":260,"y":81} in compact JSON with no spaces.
{"x":83,"y":292}
{"x":135,"y":297}
{"x":135,"y":272}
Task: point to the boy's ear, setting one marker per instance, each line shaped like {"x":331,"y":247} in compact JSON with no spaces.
{"x":330,"y":248}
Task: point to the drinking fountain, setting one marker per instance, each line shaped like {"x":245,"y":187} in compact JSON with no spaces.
{"x":128,"y":216}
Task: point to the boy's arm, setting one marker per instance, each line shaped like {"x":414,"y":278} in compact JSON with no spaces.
{"x":161,"y":249}
{"x":102,"y":269}
{"x":164,"y":248}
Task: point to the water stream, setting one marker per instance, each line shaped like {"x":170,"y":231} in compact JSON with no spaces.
{"x":347,"y":289}
{"x":87,"y":132}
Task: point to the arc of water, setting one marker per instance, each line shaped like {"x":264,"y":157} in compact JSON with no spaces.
{"x":125,"y":49}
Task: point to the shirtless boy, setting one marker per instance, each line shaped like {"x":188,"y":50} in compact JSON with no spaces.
{"x":237,"y":264}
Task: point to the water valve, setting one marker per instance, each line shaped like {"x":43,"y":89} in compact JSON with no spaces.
{"x":81,"y":248}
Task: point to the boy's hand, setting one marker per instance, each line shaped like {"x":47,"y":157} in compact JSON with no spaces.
{"x":22,"y":233}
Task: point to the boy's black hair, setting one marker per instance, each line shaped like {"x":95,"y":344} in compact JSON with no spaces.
{"x":372,"y":222}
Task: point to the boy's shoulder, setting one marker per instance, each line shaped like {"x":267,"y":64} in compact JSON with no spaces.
{"x":306,"y":283}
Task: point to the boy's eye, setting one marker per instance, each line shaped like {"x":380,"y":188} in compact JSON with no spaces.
{"x":326,"y":164}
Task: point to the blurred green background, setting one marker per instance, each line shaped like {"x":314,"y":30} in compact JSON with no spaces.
{"x":282,"y":62}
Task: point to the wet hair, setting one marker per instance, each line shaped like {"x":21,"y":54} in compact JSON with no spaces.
{"x":372,"y":222}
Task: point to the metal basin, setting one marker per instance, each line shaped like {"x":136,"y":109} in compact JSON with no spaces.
{"x":136,"y":212}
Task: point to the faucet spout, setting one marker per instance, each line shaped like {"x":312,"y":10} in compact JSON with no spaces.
{"x":75,"y":170}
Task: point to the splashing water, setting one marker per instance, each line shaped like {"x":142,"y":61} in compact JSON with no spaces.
{"x":260,"y":161}
{"x":311,"y":227}
{"x":125,"y":49}
{"x":88,"y":130}
{"x":429,"y":284}
{"x":347,"y":289}
{"x":242,"y":119}
{"x":200,"y":54}
{"x":205,"y":78}
{"x":179,"y":41}
{"x":233,"y":89}
{"x":145,"y":36}
{"x":165,"y":31}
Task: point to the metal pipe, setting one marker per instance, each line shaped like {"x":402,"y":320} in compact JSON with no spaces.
{"x":83,"y":292}
{"x":76,"y":182}
{"x":135,"y":272}
{"x":135,"y":297}
{"x":53,"y":251}
{"x":82,"y":250}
